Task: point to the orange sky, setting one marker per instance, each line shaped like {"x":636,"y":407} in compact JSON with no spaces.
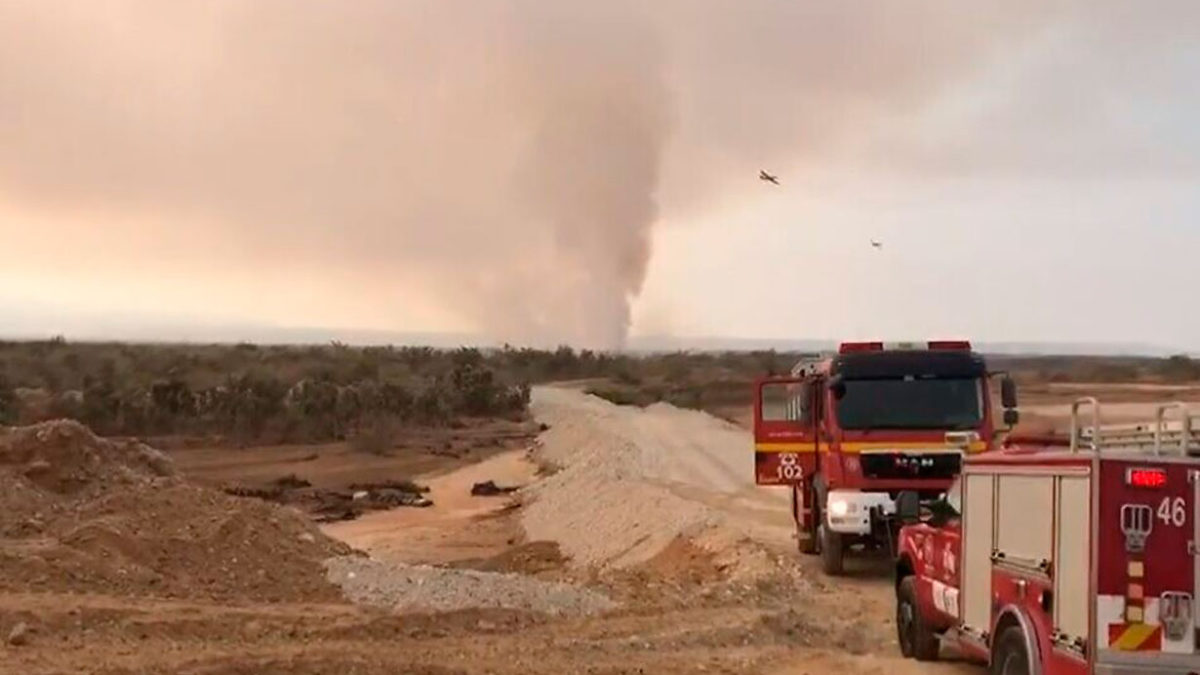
{"x":546,"y":172}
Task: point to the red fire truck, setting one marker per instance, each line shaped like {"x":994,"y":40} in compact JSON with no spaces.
{"x":849,"y":432}
{"x":1061,"y":556}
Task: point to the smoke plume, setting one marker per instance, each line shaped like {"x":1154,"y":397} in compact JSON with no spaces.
{"x":501,"y":157}
{"x":498,"y":164}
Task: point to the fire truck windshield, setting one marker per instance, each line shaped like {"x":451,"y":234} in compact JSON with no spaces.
{"x":954,"y":404}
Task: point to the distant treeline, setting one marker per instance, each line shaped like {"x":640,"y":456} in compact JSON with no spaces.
{"x":249,"y":392}
{"x":316,"y":392}
{"x":1178,"y":369}
{"x":334,"y":391}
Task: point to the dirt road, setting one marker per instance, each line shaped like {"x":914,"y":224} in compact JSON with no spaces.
{"x":456,"y":527}
{"x":688,"y":459}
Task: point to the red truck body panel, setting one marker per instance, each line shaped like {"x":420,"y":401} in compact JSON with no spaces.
{"x":1140,"y":584}
{"x":800,"y":443}
{"x":1129,"y":583}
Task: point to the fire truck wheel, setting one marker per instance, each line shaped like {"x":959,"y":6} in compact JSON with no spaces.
{"x":832,"y":550}
{"x":1009,"y":656}
{"x":916,"y":639}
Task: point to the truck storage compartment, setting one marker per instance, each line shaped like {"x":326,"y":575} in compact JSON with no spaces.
{"x":1072,"y":555}
{"x":1024,"y":536}
{"x":979,"y":538}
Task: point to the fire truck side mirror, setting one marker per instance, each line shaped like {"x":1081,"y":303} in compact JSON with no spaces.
{"x":1011,"y":417}
{"x":908,"y":507}
{"x":1008,"y":392}
{"x":837,"y":385}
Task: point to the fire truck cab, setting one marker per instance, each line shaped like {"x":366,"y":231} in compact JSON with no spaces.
{"x":1061,"y":556}
{"x":848,"y":432}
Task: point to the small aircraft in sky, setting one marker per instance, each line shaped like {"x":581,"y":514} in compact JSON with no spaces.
{"x":876,"y":244}
{"x":763,"y":175}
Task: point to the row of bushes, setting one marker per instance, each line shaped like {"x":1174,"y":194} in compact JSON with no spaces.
{"x":332,"y":391}
{"x":58,"y":365}
{"x":318,"y":392}
{"x":1177,"y":369}
{"x":254,"y":405}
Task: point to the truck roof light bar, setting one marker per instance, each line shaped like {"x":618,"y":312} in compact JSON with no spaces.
{"x":851,"y":347}
{"x":950,"y":344}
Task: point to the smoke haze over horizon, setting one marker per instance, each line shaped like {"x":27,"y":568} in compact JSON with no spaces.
{"x":549,"y":172}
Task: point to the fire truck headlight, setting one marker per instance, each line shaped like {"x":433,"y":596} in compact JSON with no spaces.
{"x":838,"y":508}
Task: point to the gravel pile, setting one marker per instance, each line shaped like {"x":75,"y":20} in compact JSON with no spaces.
{"x":422,"y":588}
{"x":604,"y":506}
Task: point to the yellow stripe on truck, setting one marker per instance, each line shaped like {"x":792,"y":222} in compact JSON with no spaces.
{"x":925,"y":446}
{"x":784,"y":447}
{"x":1134,"y":637}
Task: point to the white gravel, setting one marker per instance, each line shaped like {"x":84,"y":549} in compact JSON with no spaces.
{"x":435,"y":589}
{"x":631,"y":480}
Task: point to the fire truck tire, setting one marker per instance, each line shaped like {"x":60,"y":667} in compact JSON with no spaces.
{"x":916,"y":639}
{"x":1009,"y":656}
{"x":809,"y":544}
{"x":832,"y":551}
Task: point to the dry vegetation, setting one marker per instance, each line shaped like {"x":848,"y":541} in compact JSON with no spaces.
{"x":272,"y":394}
{"x":1179,"y":369}
{"x":253,"y":393}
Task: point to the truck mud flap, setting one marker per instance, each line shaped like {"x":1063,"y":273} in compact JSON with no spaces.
{"x":885,"y":530}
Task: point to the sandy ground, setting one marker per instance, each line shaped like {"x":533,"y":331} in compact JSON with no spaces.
{"x":687,"y":475}
{"x":336,"y":465}
{"x":651,"y":508}
{"x":458,"y":525}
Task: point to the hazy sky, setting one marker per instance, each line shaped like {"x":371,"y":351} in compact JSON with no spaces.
{"x":571,"y":170}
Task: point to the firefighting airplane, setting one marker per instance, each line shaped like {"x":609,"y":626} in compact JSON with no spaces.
{"x":763,"y":175}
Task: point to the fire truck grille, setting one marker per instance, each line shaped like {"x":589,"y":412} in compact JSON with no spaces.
{"x":902,"y":465}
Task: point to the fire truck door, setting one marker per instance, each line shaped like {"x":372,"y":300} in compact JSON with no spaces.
{"x":785,"y":441}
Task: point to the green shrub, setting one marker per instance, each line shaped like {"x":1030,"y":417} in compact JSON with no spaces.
{"x":1179,"y":368}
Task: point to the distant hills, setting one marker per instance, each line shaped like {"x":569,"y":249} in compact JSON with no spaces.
{"x":663,"y":343}
{"x":117,"y":331}
{"x":39,"y":322}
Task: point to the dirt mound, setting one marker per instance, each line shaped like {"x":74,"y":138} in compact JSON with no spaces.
{"x":611,"y":502}
{"x":65,"y":457}
{"x":662,"y":490}
{"x":684,"y":560}
{"x":81,"y":513}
